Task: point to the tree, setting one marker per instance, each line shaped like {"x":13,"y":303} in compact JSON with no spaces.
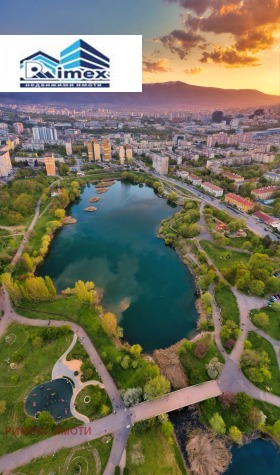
{"x":3,"y":406}
{"x":235,"y":434}
{"x":167,"y":429}
{"x":261,"y":319}
{"x":37,"y":342}
{"x":105,"y":410}
{"x":136,"y":350}
{"x":27,"y":262}
{"x":132,"y":396}
{"x":200,"y":350}
{"x":156,"y":387}
{"x":84,"y":295}
{"x":256,"y":418}
{"x":257,"y":287}
{"x":172,"y":196}
{"x":45,"y":420}
{"x":50,"y":286}
{"x":60,"y":213}
{"x":109,"y":324}
{"x":214,"y":368}
{"x":125,"y":362}
{"x":244,"y":403}
{"x":217,"y":424}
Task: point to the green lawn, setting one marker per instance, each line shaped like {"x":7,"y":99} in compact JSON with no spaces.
{"x":34,"y":368}
{"x":96,"y":397}
{"x":223,"y":257}
{"x":227,"y":302}
{"x":161,"y":456}
{"x":260,"y":344}
{"x":194,"y":367}
{"x":274,"y":322}
{"x":67,"y":461}
{"x":67,"y":307}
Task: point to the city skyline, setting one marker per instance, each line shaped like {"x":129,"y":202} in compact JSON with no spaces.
{"x":228,"y":44}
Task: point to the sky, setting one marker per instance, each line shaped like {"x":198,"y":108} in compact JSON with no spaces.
{"x":219,"y":43}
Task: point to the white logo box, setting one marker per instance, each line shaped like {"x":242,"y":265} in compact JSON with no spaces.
{"x":81,"y":63}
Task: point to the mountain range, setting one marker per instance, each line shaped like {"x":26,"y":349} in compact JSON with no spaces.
{"x":167,"y":95}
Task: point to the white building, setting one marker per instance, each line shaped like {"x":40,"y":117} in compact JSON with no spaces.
{"x":212,"y":189}
{"x":45,"y":134}
{"x":68,"y":148}
{"x":18,"y":127}
{"x":160,"y":164}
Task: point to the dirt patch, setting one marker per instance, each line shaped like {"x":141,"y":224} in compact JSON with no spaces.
{"x":170,"y":365}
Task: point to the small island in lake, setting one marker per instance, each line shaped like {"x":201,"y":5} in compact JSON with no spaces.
{"x":69,"y":220}
{"x":94,"y":199}
{"x":90,"y":209}
{"x":101,"y":190}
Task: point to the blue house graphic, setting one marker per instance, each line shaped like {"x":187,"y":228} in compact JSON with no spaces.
{"x":47,"y":61}
{"x":80,"y":54}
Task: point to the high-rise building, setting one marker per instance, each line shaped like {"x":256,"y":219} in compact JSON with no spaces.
{"x":217,"y":116}
{"x":106,"y":146}
{"x":45,"y":134}
{"x":94,"y":150}
{"x":122,"y":155}
{"x":5,"y":162}
{"x":160,"y":164}
{"x":49,"y":161}
{"x":68,"y":147}
{"x":18,"y":127}
{"x":128,"y":153}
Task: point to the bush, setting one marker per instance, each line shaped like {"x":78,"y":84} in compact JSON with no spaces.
{"x":214,"y":367}
{"x":200,"y":350}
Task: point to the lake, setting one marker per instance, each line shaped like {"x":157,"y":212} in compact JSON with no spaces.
{"x":144,"y":282}
{"x":260,"y":457}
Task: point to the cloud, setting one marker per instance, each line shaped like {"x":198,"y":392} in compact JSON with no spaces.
{"x":194,"y":70}
{"x":251,"y":24}
{"x":198,"y":6}
{"x":229,"y":57}
{"x":181,"y":42}
{"x":158,"y":66}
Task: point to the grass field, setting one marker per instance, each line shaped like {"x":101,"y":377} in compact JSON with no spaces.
{"x":223,"y":257}
{"x":34,"y":367}
{"x":95,"y":397}
{"x":194,"y":367}
{"x":88,"y":459}
{"x":260,"y":344}
{"x":227,"y":302}
{"x":70,"y":309}
{"x":161,"y":457}
{"x":274,"y":322}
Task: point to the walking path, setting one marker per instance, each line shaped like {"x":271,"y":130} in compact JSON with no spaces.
{"x":62,"y":369}
{"x":27,"y":235}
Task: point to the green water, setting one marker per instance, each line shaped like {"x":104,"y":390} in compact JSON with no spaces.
{"x":145,"y":284}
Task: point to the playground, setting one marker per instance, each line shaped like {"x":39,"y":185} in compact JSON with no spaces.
{"x":53,"y":396}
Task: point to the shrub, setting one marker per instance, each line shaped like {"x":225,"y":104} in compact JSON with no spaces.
{"x":200,"y":350}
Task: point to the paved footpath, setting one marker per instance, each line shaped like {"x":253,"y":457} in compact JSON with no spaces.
{"x":120,"y":422}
